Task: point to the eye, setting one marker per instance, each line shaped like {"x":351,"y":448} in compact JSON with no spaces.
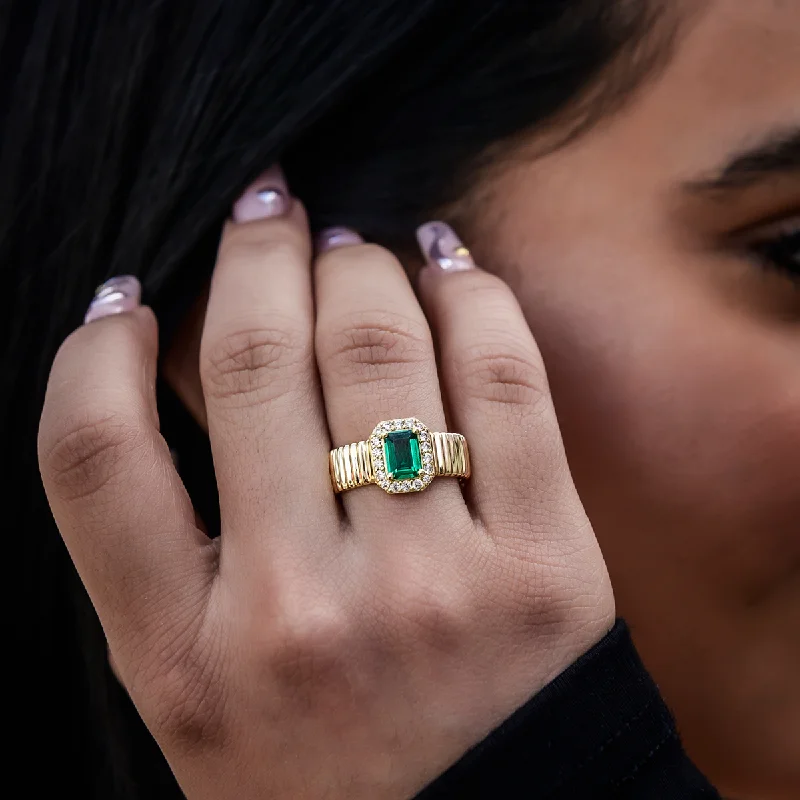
{"x":777,"y":247}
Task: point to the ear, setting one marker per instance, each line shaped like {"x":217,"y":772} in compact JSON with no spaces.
{"x":180,"y":364}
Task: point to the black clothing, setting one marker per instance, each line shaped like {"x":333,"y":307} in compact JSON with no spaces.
{"x":599,"y":730}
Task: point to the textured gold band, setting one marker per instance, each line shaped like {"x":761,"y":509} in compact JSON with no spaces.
{"x":352,"y":465}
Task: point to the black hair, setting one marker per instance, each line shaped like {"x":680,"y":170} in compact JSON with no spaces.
{"x":130,"y":126}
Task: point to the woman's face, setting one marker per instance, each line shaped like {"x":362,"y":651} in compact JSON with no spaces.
{"x":673,"y":351}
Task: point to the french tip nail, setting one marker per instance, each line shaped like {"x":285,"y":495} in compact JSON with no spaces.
{"x":116,"y":296}
{"x":268,"y":196}
{"x":442,"y":248}
{"x":331,"y":238}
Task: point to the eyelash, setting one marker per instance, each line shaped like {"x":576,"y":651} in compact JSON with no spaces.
{"x":780,"y":251}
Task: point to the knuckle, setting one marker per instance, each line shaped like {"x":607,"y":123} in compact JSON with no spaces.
{"x":428,"y":606}
{"x":256,"y":364}
{"x":88,"y":453}
{"x":507,"y":376}
{"x":309,"y":654}
{"x":376,"y":346}
{"x":434,"y":620}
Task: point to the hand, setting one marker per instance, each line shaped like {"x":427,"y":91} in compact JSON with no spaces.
{"x":319,"y":649}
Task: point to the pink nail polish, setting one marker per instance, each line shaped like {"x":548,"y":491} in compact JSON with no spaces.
{"x":331,"y":238}
{"x":116,"y":296}
{"x":442,"y":248}
{"x":264,"y":198}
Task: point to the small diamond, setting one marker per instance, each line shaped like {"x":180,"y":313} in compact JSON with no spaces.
{"x":380,"y":474}
{"x":424,"y":436}
{"x":418,"y":484}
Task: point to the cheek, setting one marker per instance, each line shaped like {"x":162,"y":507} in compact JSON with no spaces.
{"x":681,"y":416}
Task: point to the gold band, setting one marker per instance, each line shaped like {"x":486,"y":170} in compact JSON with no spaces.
{"x":363,"y":463}
{"x":351,"y":467}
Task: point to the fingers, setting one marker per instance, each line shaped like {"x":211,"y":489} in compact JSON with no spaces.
{"x":263,"y":403}
{"x":118,"y":502}
{"x":376,"y":360}
{"x":494,"y":376}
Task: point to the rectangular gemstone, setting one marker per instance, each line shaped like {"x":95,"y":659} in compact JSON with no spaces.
{"x":401,"y":450}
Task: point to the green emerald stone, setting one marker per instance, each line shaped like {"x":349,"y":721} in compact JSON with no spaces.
{"x":401,"y":451}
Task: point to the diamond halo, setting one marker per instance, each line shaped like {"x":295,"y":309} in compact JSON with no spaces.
{"x":425,"y":475}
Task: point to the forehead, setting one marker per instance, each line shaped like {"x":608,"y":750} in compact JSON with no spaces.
{"x":730,"y":82}
{"x":735,"y":74}
{"x":741,"y":49}
{"x":732,"y":79}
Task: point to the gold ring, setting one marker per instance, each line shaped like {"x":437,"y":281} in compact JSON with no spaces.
{"x":400,"y":456}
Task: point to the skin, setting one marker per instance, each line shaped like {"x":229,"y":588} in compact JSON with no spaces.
{"x":674,"y":365}
{"x":317,"y":649}
{"x":674,"y":361}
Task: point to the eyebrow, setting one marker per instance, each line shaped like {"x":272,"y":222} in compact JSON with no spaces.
{"x":778,"y":154}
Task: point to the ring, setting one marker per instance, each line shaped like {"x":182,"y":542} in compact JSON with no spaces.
{"x":400,"y":456}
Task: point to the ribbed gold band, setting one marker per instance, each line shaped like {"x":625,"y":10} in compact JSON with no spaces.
{"x":352,"y":465}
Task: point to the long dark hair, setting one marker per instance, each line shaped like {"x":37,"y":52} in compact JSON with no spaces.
{"x":130,"y":126}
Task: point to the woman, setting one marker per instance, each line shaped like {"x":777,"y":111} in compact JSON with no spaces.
{"x":630,"y":170}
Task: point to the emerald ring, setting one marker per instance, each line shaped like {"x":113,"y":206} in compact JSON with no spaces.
{"x":400,"y":456}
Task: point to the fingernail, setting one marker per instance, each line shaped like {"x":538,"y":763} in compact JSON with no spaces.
{"x":442,"y":248}
{"x":331,"y":238}
{"x":266,"y":197}
{"x":115,"y":296}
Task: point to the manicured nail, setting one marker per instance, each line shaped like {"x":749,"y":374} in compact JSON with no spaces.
{"x":115,"y":296}
{"x":331,"y":238}
{"x":442,"y":248}
{"x":266,"y":197}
